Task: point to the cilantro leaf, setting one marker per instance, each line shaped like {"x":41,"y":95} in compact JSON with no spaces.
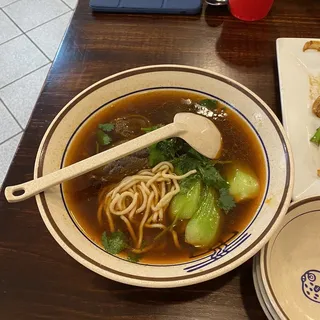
{"x":166,"y":150}
{"x":187,"y":183}
{"x":212,"y":177}
{"x":209,"y":103}
{"x":103,"y":138}
{"x":134,"y":257}
{"x":106,"y":127}
{"x":155,"y":155}
{"x":162,"y":151}
{"x":115,"y":243}
{"x":184,"y":163}
{"x":226,"y":201}
{"x":198,"y":155}
{"x":184,"y":158}
{"x":316,"y":137}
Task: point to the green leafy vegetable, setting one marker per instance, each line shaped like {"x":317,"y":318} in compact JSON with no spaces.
{"x":171,"y":148}
{"x":226,"y":201}
{"x":212,"y":177}
{"x":160,"y":151}
{"x":184,"y":164}
{"x":208,"y":174}
{"x":155,"y":156}
{"x":209,"y":103}
{"x":106,"y":127}
{"x":203,"y":228}
{"x":195,"y":154}
{"x":316,"y":137}
{"x":166,"y":150}
{"x":184,"y":158}
{"x":115,"y":242}
{"x":187,"y":201}
{"x":149,"y":129}
{"x":103,"y":138}
{"x":134,"y":257}
{"x":243,"y":182}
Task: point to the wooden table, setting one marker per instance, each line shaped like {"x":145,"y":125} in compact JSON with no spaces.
{"x":38,"y":280}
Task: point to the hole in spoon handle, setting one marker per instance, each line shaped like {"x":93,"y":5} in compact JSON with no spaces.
{"x":15,"y":193}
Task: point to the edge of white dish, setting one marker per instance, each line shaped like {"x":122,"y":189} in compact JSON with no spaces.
{"x":264,"y":253}
{"x":294,"y":69}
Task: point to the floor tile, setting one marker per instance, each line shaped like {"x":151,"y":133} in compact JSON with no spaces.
{"x":8,"y":29}
{"x":8,"y":126}
{"x":71,"y":3}
{"x":28,"y":14}
{"x":49,"y":35}
{"x":5,"y":2}
{"x":21,"y":96}
{"x":7,"y":151}
{"x":19,"y":57}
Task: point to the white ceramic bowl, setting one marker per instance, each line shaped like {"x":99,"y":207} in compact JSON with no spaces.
{"x":260,"y":290}
{"x":287,"y":268}
{"x":258,"y":116}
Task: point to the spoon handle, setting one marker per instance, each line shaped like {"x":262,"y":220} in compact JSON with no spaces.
{"x":26,"y":190}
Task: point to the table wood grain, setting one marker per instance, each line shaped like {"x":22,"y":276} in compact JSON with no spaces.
{"x":38,"y":280}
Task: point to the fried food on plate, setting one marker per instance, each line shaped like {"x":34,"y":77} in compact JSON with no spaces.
{"x":315,"y":45}
{"x":316,"y":107}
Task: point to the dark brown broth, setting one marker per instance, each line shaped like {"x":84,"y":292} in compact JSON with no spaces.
{"x":239,"y":143}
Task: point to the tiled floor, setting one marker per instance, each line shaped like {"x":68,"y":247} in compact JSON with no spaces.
{"x":30,"y":34}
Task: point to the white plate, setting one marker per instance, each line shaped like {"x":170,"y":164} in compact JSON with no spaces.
{"x":262,"y":297}
{"x":298,"y":75}
{"x":290,"y":263}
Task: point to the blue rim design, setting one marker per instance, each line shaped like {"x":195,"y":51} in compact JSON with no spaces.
{"x":219,"y":252}
{"x":225,"y":247}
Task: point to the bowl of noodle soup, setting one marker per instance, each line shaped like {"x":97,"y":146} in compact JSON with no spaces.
{"x":165,"y":216}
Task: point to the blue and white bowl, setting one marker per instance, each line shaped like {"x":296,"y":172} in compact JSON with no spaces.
{"x":286,"y":271}
{"x":225,"y":257}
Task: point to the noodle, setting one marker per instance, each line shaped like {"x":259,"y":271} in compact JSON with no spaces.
{"x":109,"y":216}
{"x":155,"y":225}
{"x":175,"y":239}
{"x":129,"y":226}
{"x":100,"y":212}
{"x":143,"y":197}
{"x":144,"y":219}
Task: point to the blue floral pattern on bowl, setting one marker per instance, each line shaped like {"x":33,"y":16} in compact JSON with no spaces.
{"x":219,"y":252}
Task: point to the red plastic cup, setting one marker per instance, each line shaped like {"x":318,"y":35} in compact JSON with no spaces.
{"x":250,"y":10}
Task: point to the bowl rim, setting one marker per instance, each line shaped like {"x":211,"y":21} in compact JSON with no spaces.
{"x":229,"y":265}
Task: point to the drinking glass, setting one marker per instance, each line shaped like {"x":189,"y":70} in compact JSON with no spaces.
{"x":250,"y":10}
